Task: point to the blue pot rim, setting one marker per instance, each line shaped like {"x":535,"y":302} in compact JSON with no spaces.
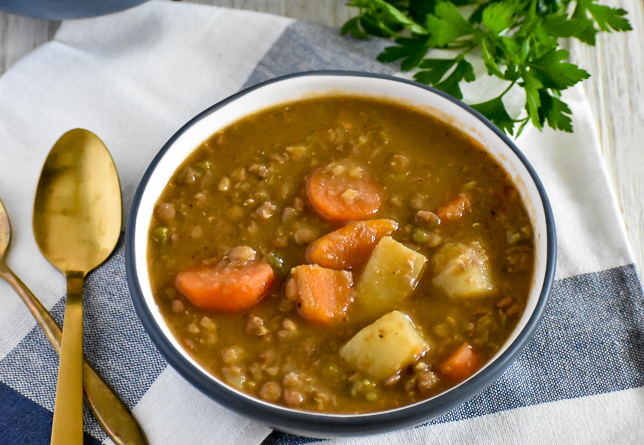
{"x":66,"y":9}
{"x":335,"y":425}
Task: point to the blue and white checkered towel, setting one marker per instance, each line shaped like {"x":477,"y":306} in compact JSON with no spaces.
{"x":134,"y":78}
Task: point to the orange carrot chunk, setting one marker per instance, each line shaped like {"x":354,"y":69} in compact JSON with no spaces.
{"x":322,"y":295}
{"x":231,"y":288}
{"x":350,"y":246}
{"x":455,"y":208}
{"x":343,"y":191}
{"x":461,"y":364}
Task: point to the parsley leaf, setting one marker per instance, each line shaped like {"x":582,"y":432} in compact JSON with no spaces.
{"x":555,"y":111}
{"x":562,"y":26}
{"x":607,"y":18}
{"x":518,"y":40}
{"x":446,"y":24}
{"x":531,"y":85}
{"x":352,"y":27}
{"x":388,"y":14}
{"x":464,"y":71}
{"x":499,"y":16}
{"x":418,"y":9}
{"x":412,"y":51}
{"x":495,"y":111}
{"x":436,"y":70}
{"x":554,"y":73}
{"x":488,"y":59}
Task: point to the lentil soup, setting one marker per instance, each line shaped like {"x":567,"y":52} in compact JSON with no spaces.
{"x":341,"y":254}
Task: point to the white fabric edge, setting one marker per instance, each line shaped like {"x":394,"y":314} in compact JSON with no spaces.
{"x":157,"y":411}
{"x":610,"y":418}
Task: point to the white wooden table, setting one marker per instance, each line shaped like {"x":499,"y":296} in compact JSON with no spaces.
{"x":615,"y":90}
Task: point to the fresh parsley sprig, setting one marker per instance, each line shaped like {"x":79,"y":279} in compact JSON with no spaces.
{"x":518,"y":40}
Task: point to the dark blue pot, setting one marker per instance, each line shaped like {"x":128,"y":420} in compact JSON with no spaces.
{"x":65,"y":9}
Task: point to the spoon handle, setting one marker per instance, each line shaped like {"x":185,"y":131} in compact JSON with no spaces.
{"x":108,"y":408}
{"x":67,"y":428}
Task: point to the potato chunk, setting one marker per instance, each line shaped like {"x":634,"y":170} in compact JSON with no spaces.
{"x":463,"y":271}
{"x":390,"y":276}
{"x":385,"y":346}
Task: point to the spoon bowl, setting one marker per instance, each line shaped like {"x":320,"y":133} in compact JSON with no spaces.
{"x":78,"y":211}
{"x":77,"y":222}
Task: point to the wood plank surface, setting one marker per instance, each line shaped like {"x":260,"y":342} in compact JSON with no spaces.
{"x":615,"y":90}
{"x":616,"y":95}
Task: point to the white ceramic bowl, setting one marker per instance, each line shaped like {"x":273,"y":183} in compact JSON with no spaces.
{"x":305,"y":85}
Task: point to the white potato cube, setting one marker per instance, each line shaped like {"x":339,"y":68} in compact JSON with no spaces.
{"x":463,"y":271}
{"x":385,"y":346}
{"x":390,"y":276}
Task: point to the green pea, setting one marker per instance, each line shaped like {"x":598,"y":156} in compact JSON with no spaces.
{"x":420,"y":236}
{"x":203,"y":166}
{"x":161,"y":235}
{"x":277,"y":263}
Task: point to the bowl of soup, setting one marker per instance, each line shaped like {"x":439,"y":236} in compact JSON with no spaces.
{"x":339,"y":253}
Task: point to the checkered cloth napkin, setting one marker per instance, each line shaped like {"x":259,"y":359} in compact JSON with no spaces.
{"x":136,"y":77}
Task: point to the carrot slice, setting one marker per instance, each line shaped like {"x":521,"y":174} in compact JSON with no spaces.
{"x":455,"y":208}
{"x":232,"y":288}
{"x":343,"y":191}
{"x":461,"y":364}
{"x":322,"y":295}
{"x":350,"y":246}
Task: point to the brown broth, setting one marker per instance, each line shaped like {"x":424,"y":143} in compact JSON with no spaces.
{"x":244,"y":187}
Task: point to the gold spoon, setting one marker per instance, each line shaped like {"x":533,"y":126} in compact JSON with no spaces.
{"x":77,"y":222}
{"x":108,"y":408}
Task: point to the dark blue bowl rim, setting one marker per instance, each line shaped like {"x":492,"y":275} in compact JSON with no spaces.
{"x":329,"y":425}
